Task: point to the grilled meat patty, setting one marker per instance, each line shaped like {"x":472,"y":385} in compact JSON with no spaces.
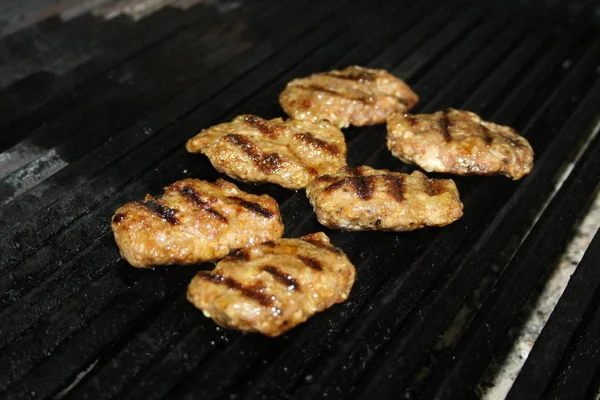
{"x":289,"y":153}
{"x":194,"y":221}
{"x":353,"y":96}
{"x":272,"y":287}
{"x":459,"y":142}
{"x":364,"y":198}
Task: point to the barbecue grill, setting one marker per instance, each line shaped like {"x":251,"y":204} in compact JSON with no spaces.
{"x":96,"y":112}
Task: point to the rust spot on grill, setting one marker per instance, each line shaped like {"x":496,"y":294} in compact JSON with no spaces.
{"x":362,"y":185}
{"x":240,"y":255}
{"x":118,"y":218}
{"x":254,"y":207}
{"x":310,"y":261}
{"x":282,"y":277}
{"x":262,"y":125}
{"x":433,"y":187}
{"x":445,"y":125}
{"x":395,"y":186}
{"x":269,"y":163}
{"x":250,"y":292}
{"x":312,"y":141}
{"x":166,"y":213}
{"x":194,"y":197}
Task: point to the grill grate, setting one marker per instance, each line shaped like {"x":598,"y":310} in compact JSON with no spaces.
{"x":76,"y":321}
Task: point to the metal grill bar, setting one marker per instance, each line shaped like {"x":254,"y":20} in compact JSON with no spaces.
{"x":561,"y":335}
{"x":93,"y":327}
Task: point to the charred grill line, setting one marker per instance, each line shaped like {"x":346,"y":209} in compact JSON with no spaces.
{"x":363,"y":185}
{"x":445,"y":124}
{"x":487,"y":134}
{"x":261,"y":298}
{"x":433,"y":187}
{"x":395,"y":186}
{"x":317,"y":88}
{"x":312,"y":141}
{"x":322,"y":245}
{"x":266,"y":163}
{"x":411,"y":120}
{"x":254,"y":207}
{"x":240,"y":255}
{"x":192,"y":195}
{"x":282,"y":277}
{"x":166,"y":213}
{"x":118,"y":218}
{"x":355,"y":76}
{"x":262,"y":125}
{"x":310,"y":261}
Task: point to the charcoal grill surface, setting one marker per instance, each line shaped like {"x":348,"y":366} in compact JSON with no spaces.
{"x":96,"y":112}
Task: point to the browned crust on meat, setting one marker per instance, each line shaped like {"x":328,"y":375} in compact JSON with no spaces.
{"x":393,"y":201}
{"x":274,"y":287}
{"x":289,"y":153}
{"x":194,"y":221}
{"x":459,"y":142}
{"x":353,"y":96}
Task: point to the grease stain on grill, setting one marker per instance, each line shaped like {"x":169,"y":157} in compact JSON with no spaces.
{"x":249,"y":292}
{"x":254,"y":207}
{"x":117,"y":218}
{"x":282,"y":277}
{"x":262,"y":125}
{"x":311,"y":262}
{"x":445,"y":125}
{"x":312,"y":141}
{"x":395,"y":186}
{"x":269,"y":163}
{"x":362,"y":185}
{"x":194,"y":197}
{"x":166,"y":213}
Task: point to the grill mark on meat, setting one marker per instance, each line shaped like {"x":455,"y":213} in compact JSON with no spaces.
{"x":487,"y":134}
{"x":445,"y":125}
{"x":318,"y":88}
{"x":282,"y":277}
{"x":270,"y":243}
{"x":510,"y":139}
{"x":166,"y":213}
{"x":312,"y":141}
{"x":395,"y":186}
{"x":310,"y":261}
{"x":355,"y":171}
{"x":268,"y":164}
{"x":240,"y":255}
{"x":249,"y":292}
{"x":433,"y":187}
{"x":363,"y":185}
{"x":327,"y":179}
{"x":322,"y":245}
{"x":118,"y":218}
{"x":194,"y":197}
{"x":362,"y":76}
{"x":262,"y":125}
{"x":411,"y":120}
{"x":254,"y":207}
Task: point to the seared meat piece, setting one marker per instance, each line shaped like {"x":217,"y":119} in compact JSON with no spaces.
{"x":364,"y":198}
{"x":194,"y":221}
{"x":289,"y":153}
{"x":459,"y":142}
{"x":272,"y":287}
{"x":353,"y":96}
